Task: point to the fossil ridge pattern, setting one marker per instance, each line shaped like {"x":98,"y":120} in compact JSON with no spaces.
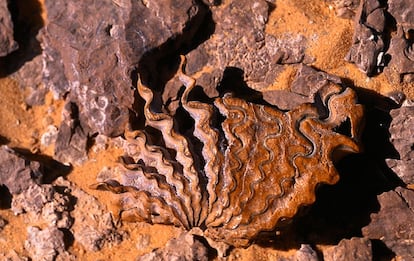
{"x":260,"y":167}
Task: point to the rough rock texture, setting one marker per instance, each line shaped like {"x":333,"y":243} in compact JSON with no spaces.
{"x":92,"y":54}
{"x":368,"y":44}
{"x":7,"y":43}
{"x":96,"y":228}
{"x":305,"y":253}
{"x":239,"y":41}
{"x":402,"y":137}
{"x":44,"y":204}
{"x":16,"y":172}
{"x":393,"y":223}
{"x":401,"y":50}
{"x":29,"y":77}
{"x":356,"y":249}
{"x":308,"y":81}
{"x":184,"y":248}
{"x":346,"y":8}
{"x":46,"y":244}
{"x":72,"y":139}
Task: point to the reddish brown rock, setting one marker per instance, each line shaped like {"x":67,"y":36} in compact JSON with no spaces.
{"x":92,"y":54}
{"x":308,"y":81}
{"x":367,"y":49}
{"x":240,"y":41}
{"x":346,"y":8}
{"x":393,"y":223}
{"x":402,"y":137}
{"x":7,"y":42}
{"x":356,"y":249}
{"x":18,"y":173}
{"x":401,"y":66}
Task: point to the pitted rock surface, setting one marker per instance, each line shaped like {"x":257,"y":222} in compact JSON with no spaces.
{"x":92,"y":54}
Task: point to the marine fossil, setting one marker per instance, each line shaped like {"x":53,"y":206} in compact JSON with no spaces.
{"x":260,"y":167}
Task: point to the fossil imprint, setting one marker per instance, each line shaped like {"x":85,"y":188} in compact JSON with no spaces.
{"x":260,"y":167}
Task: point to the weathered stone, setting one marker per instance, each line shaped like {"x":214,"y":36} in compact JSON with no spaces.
{"x":393,"y":223}
{"x":72,"y":139}
{"x":307,"y":83}
{"x":92,"y":54}
{"x":401,"y":50}
{"x":12,"y":255}
{"x":346,"y":8}
{"x":186,"y":248}
{"x":402,"y":137}
{"x":45,"y":244}
{"x":43,"y":203}
{"x":7,"y":43}
{"x":305,"y":253}
{"x":368,"y":45}
{"x":356,"y":249}
{"x":16,"y":172}
{"x":29,"y":77}
{"x":240,"y":41}
{"x":96,"y":228}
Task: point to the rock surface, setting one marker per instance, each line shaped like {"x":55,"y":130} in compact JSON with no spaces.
{"x":356,"y":249}
{"x":184,"y":248}
{"x":402,"y":137}
{"x":249,"y":48}
{"x":308,"y":81}
{"x":16,"y":172}
{"x":92,"y":54}
{"x":7,"y":42}
{"x":401,"y":50}
{"x":393,"y":223}
{"x":46,"y":244}
{"x":368,"y":44}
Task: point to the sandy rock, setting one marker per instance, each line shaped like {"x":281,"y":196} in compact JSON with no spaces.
{"x":93,"y":225}
{"x":92,"y":54}
{"x":12,"y":256}
{"x":393,"y":223}
{"x":303,"y":89}
{"x":7,"y":43}
{"x":240,"y":41}
{"x":346,"y":8}
{"x":3,"y":223}
{"x":16,"y":172}
{"x":357,"y":249}
{"x":368,"y":44}
{"x":184,"y":248}
{"x":45,"y":244}
{"x":402,"y":137}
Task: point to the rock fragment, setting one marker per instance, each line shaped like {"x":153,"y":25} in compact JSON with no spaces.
{"x":3,"y":223}
{"x":305,"y":253}
{"x":346,"y":8}
{"x":186,"y":247}
{"x":46,"y":244}
{"x":357,"y":249}
{"x":303,"y":89}
{"x":240,"y":41}
{"x":72,"y":139}
{"x":368,"y":46}
{"x":401,"y":51}
{"x":7,"y":42}
{"x":93,"y":225}
{"x":402,"y":137}
{"x":16,"y":172}
{"x":393,"y":223}
{"x":92,"y":54}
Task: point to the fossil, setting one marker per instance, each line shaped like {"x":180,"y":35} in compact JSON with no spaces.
{"x":258,"y":168}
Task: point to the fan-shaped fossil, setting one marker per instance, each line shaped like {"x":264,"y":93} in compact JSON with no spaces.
{"x":261,"y":166}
